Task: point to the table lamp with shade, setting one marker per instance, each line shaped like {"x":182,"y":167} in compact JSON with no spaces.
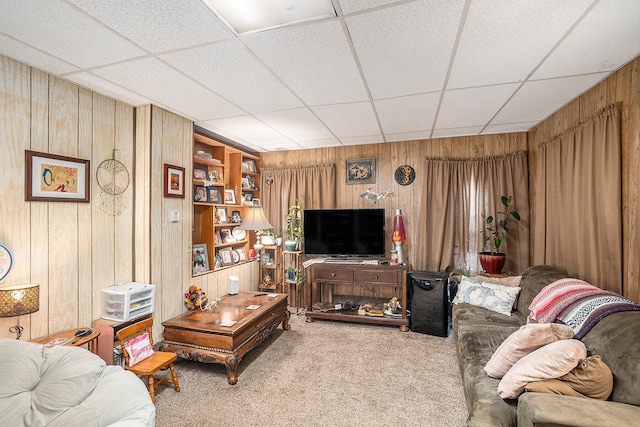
{"x":256,"y":221}
{"x":18,"y":300}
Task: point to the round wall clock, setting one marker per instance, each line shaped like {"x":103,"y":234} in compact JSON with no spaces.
{"x":6,"y":261}
{"x":405,"y":175}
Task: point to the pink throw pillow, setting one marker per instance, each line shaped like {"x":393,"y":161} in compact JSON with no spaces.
{"x":139,"y":349}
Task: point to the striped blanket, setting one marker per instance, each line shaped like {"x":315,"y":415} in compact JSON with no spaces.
{"x":576,"y":304}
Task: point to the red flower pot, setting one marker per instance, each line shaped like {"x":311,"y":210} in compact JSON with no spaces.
{"x":492,"y":263}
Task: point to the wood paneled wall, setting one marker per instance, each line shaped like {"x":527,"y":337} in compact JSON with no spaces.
{"x":388,"y":157}
{"x":74,"y":250}
{"x":623,"y":87}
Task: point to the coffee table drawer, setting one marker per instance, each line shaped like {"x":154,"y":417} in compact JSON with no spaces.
{"x":374,"y":276}
{"x":334,"y":275}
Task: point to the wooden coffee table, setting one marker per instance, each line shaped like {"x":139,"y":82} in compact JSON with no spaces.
{"x":69,"y":338}
{"x":212,"y":337}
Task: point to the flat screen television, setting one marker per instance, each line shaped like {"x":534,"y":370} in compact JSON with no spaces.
{"x":344,"y":232}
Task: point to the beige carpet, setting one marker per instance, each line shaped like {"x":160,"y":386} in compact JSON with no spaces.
{"x":324,"y":374}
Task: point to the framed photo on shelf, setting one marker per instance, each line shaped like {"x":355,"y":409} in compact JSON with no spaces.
{"x":227,"y":257}
{"x":230,"y":197}
{"x":236,"y":218}
{"x":200,"y":258}
{"x":226,"y":236}
{"x":53,"y":178}
{"x":200,"y":194}
{"x":361,"y":171}
{"x":217,"y":238}
{"x":173,"y":181}
{"x":255,"y":202}
{"x":245,"y":182}
{"x":216,"y":175}
{"x":221,"y":213}
{"x":242,"y":254}
{"x":199,"y":173}
{"x":214,"y":195}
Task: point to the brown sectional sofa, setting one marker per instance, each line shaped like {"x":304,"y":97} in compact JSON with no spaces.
{"x":616,"y":338}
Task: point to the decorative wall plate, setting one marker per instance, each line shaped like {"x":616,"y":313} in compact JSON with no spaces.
{"x":239,"y":234}
{"x":6,"y":261}
{"x":405,"y":175}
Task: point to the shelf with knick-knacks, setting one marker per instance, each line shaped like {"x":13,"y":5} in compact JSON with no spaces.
{"x":270,"y":273}
{"x":218,"y":202}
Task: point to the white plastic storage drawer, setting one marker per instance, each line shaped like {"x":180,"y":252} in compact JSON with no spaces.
{"x":128,"y":301}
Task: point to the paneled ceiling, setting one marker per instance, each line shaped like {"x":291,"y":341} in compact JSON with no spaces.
{"x":381,"y":71}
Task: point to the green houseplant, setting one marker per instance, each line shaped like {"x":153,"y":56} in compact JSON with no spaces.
{"x":293,"y":232}
{"x":495,"y":233}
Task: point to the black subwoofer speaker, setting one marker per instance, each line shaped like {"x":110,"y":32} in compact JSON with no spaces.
{"x":430,"y":312}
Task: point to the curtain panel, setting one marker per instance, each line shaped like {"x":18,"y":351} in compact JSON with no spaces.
{"x":456,"y":193}
{"x":578,"y":201}
{"x":313,"y":186}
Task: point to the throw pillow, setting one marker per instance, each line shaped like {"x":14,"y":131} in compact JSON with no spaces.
{"x":139,"y":349}
{"x":591,"y":378}
{"x":493,"y":297}
{"x":505,"y":281}
{"x":528,"y":338}
{"x":551,"y":361}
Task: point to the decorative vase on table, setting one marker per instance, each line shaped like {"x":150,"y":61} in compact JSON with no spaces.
{"x":492,"y":263}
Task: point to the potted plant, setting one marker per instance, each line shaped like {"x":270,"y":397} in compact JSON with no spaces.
{"x":293,"y":231}
{"x":495,"y":233}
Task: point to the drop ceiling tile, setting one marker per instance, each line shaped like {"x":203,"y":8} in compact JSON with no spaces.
{"x":314,"y":60}
{"x":331,"y":142}
{"x":158,"y":25}
{"x":230,"y":70}
{"x":504,"y":40}
{"x":607,"y":38}
{"x":299,"y":125}
{"x":537,"y":100}
{"x":364,"y":139}
{"x":33,"y":57}
{"x":108,"y":88}
{"x":509,"y":128}
{"x":249,"y":129}
{"x":405,"y":49}
{"x":408,"y":113}
{"x":65,"y":32}
{"x":350,"y":6}
{"x":168,"y":88}
{"x":472,"y":107}
{"x":408,"y":136}
{"x":349,"y":120}
{"x":461,"y":131}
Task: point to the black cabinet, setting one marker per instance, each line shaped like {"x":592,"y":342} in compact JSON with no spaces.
{"x":430,"y":307}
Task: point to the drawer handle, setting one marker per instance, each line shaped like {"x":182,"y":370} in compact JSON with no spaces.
{"x":333,"y":274}
{"x":375,"y":276}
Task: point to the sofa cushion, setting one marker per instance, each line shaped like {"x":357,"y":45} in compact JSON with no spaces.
{"x":616,"y":339}
{"x":139,"y":349}
{"x":533,"y":280}
{"x":551,"y":361}
{"x":493,"y":297}
{"x":528,"y":338}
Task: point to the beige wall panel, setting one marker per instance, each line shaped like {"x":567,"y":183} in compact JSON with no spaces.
{"x":87,"y":301}
{"x":141,"y":182}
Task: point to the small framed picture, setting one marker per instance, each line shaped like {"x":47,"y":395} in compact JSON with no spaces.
{"x":199,"y":173}
{"x":242,"y":254}
{"x":216,"y":175}
{"x":215,"y":195}
{"x":227,"y":257}
{"x":221,"y":214}
{"x":236,"y":218}
{"x":230,"y":197}
{"x":217,"y":238}
{"x":200,"y":194}
{"x":226,"y":236}
{"x":255,"y":201}
{"x":200,"y":258}
{"x":361,"y":171}
{"x":173,"y":181}
{"x":245,"y":182}
{"x":53,"y":178}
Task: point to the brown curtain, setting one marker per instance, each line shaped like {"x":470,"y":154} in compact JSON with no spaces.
{"x":456,"y":193}
{"x":578,"y":201}
{"x":313,"y":186}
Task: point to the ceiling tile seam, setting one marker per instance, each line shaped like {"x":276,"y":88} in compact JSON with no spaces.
{"x":544,"y":58}
{"x":452,"y":58}
{"x":20,"y":42}
{"x":356,"y":60}
{"x":377,"y":8}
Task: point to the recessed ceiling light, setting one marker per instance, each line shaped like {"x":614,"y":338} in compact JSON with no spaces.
{"x":245,"y":16}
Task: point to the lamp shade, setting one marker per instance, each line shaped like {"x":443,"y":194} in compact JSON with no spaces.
{"x":255,"y":220}
{"x":18,"y":300}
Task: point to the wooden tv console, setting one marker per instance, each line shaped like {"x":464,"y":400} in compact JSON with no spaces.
{"x":370,"y":275}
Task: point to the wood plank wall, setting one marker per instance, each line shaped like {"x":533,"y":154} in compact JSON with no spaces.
{"x":623,"y":87}
{"x":74,"y":250}
{"x":388,"y":157}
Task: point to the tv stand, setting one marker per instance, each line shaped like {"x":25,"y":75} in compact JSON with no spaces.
{"x":369,"y":275}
